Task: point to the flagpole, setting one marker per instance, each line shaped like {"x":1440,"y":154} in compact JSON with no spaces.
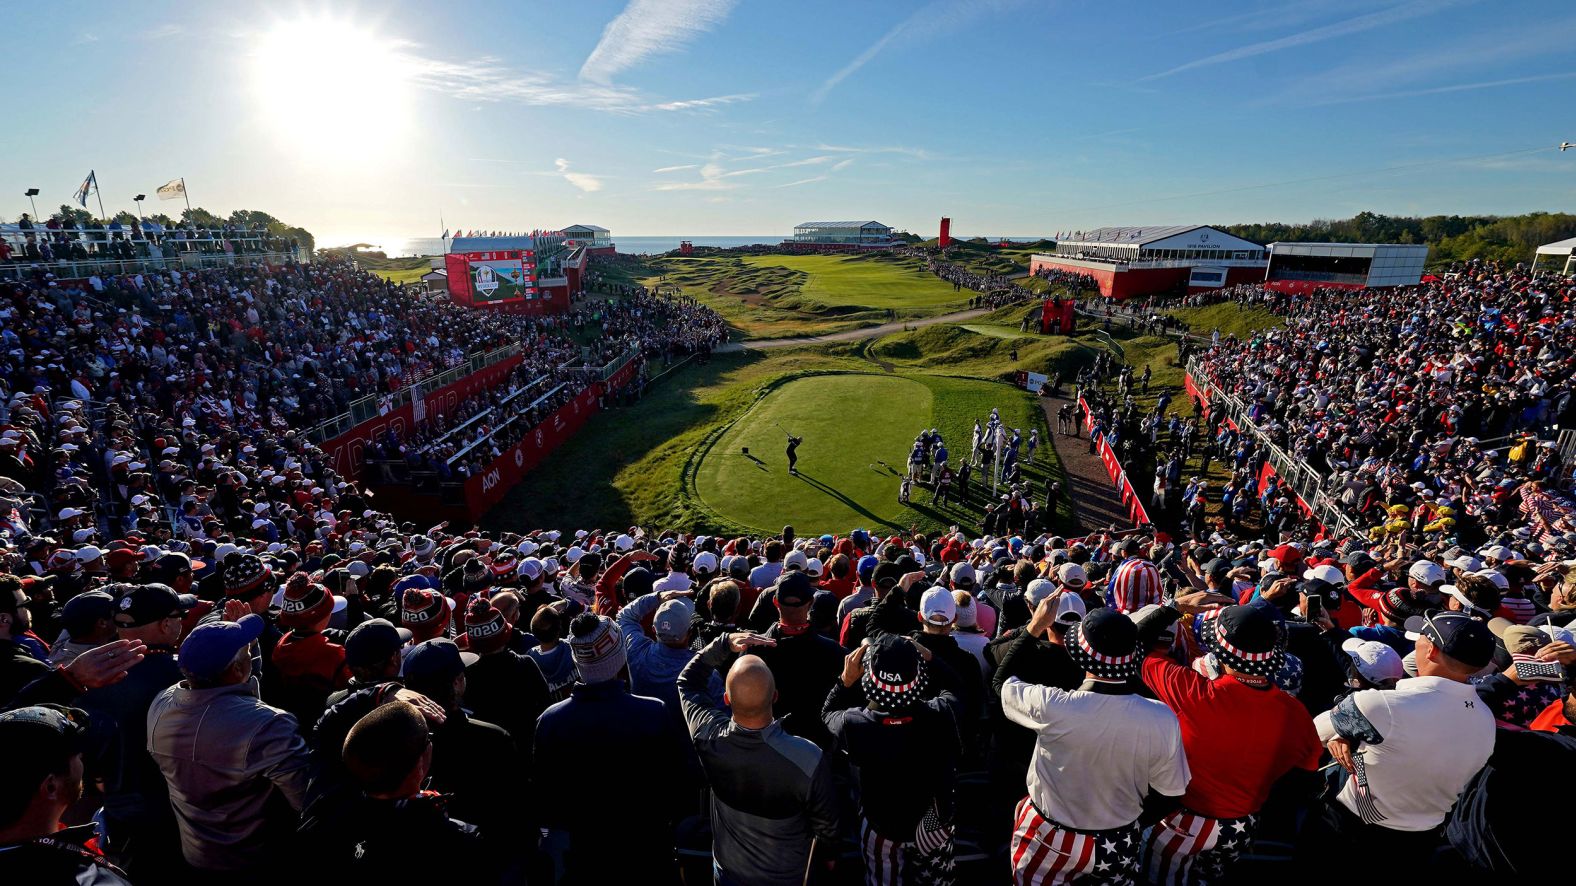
{"x":188,"y":198}
{"x":99,"y":193}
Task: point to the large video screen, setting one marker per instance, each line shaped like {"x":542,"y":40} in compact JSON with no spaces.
{"x":502,"y":277}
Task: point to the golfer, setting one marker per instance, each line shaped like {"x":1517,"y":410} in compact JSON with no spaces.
{"x":793,"y":457}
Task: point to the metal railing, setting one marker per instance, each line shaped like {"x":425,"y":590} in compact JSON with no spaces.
{"x":1294,"y":472}
{"x":374,"y":405}
{"x":183,"y":261}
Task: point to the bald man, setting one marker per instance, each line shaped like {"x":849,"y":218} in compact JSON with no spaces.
{"x":772,"y":792}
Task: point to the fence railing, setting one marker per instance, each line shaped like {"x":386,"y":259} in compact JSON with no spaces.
{"x":374,"y":405}
{"x":1293,"y":471}
{"x":23,"y":268}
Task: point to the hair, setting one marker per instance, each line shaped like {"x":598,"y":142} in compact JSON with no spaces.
{"x":1023,"y":573}
{"x":839,"y":566}
{"x":1483,"y":593}
{"x":381,"y":581}
{"x":384,"y":747}
{"x":508,"y":603}
{"x":722,"y":600}
{"x":774,"y":551}
{"x":547,"y":625}
{"x":589,"y":564}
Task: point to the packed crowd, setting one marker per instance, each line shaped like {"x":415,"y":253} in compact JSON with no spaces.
{"x":659,"y":326}
{"x":1441,"y":398}
{"x":62,"y":240}
{"x":459,"y":443}
{"x":385,"y":700}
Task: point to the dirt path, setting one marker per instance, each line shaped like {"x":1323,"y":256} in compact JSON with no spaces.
{"x":853,"y":334}
{"x":1095,"y":502}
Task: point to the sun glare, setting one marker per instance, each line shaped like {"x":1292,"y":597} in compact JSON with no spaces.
{"x":332,"y":89}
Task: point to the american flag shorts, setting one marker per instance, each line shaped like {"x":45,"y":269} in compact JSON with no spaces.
{"x":1046,"y":852}
{"x":925,"y":860}
{"x":1186,"y":847}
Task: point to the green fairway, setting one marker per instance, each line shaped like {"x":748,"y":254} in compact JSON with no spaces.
{"x":784,"y":296}
{"x":858,"y":430}
{"x":865,"y":281}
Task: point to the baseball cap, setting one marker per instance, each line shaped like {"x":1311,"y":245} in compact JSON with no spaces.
{"x":82,"y":611}
{"x":145,"y":604}
{"x":705,"y":561}
{"x":937,"y":607}
{"x":435,"y":661}
{"x":43,"y":731}
{"x":1327,"y":573}
{"x":1457,"y":635}
{"x":672,"y":621}
{"x":374,"y":641}
{"x":1070,"y":609}
{"x":1466,"y":563}
{"x":794,"y":589}
{"x":795,"y":560}
{"x":1518,"y":638}
{"x":1038,"y":590}
{"x":887,"y":575}
{"x":1375,"y":661}
{"x":1497,"y":577}
{"x":1462,"y":598}
{"x":1427,"y":571}
{"x":209,"y":649}
{"x":1072,"y":576}
{"x":963,"y":573}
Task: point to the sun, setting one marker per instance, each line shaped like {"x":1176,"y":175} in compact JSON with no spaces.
{"x":331,"y":88}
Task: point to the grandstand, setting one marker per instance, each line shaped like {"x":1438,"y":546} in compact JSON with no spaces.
{"x":1132,"y":261}
{"x":1346,"y":265}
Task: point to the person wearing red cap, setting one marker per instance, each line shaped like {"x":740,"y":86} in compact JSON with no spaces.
{"x":502,"y":686}
{"x":308,"y":664}
{"x":426,"y":614}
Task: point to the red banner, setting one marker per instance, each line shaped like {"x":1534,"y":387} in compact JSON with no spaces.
{"x":1113,"y":469}
{"x":492,"y":484}
{"x":348,"y":450}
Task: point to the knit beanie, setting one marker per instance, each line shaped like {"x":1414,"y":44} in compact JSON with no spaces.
{"x":485,"y":627}
{"x":305,"y":603}
{"x":598,"y":648}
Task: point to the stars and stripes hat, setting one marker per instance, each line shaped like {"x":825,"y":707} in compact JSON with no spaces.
{"x":895,"y":675}
{"x":1244,"y":638}
{"x":1105,"y":643}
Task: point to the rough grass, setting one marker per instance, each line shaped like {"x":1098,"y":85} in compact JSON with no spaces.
{"x":772,"y":296}
{"x":1229,"y":317}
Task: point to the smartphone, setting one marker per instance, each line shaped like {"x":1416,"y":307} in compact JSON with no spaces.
{"x":1543,"y":671}
{"x":1315,"y":608}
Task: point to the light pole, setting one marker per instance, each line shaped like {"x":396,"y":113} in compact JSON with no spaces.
{"x":30,"y":193}
{"x":138,"y":200}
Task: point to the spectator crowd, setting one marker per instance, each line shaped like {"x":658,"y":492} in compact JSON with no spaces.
{"x":220,"y":661}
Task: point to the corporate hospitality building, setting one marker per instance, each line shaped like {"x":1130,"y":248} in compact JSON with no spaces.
{"x":595,"y":238}
{"x":1303,"y":266}
{"x":844,"y":234}
{"x":1132,"y":261}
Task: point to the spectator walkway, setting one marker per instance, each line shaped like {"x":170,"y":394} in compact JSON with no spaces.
{"x":1095,"y":502}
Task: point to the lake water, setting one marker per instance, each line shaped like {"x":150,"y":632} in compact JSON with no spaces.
{"x":650,"y":245}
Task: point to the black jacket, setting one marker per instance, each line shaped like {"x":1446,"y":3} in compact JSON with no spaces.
{"x":905,"y":762}
{"x":60,"y":857}
{"x":359,"y":839}
{"x":1499,"y":824}
{"x":961,"y":677}
{"x":18,"y":668}
{"x":507,"y":688}
{"x":771,"y":792}
{"x":805,"y":667}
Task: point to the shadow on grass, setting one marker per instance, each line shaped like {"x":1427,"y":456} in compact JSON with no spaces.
{"x":852,"y":505}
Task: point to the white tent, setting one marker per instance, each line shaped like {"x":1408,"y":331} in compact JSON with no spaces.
{"x":1562,"y":249}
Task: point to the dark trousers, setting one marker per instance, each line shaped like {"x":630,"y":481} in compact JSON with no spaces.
{"x":1333,"y":835}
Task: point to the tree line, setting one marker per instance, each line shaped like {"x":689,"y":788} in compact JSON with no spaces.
{"x":1450,"y":237}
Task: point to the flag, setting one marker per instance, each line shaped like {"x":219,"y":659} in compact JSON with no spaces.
{"x":88,"y":185}
{"x":173,"y":189}
{"x":445,"y":234}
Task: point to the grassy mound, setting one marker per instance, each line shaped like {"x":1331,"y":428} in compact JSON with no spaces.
{"x":1229,"y":317}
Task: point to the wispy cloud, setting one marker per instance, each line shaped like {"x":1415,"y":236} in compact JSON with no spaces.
{"x":712,"y":178}
{"x":678,"y":168}
{"x":587,"y":183}
{"x":931,"y":21}
{"x":161,"y":32}
{"x":1344,"y":28}
{"x":705,"y":104}
{"x":803,"y":181}
{"x":1454,"y":87}
{"x":85,"y":39}
{"x":841,"y":165}
{"x":649,"y":27}
{"x":489,"y":80}
{"x":918,"y":153}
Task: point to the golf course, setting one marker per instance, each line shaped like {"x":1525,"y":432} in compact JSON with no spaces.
{"x":785,"y":296}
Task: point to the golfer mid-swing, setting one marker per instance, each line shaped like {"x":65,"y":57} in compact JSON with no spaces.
{"x":793,"y":457}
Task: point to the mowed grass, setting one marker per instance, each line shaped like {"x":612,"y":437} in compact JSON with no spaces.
{"x":858,"y":430}
{"x":784,"y":296}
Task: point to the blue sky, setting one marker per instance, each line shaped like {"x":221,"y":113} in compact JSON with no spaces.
{"x":369,"y":121}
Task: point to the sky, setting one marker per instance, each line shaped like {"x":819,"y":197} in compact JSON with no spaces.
{"x":381,"y":121}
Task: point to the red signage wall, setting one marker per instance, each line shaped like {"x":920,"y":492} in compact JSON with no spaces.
{"x":489,"y":487}
{"x":348,"y":450}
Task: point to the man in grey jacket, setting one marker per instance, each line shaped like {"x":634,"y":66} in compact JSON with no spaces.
{"x":236,"y":767}
{"x":772,"y":792}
